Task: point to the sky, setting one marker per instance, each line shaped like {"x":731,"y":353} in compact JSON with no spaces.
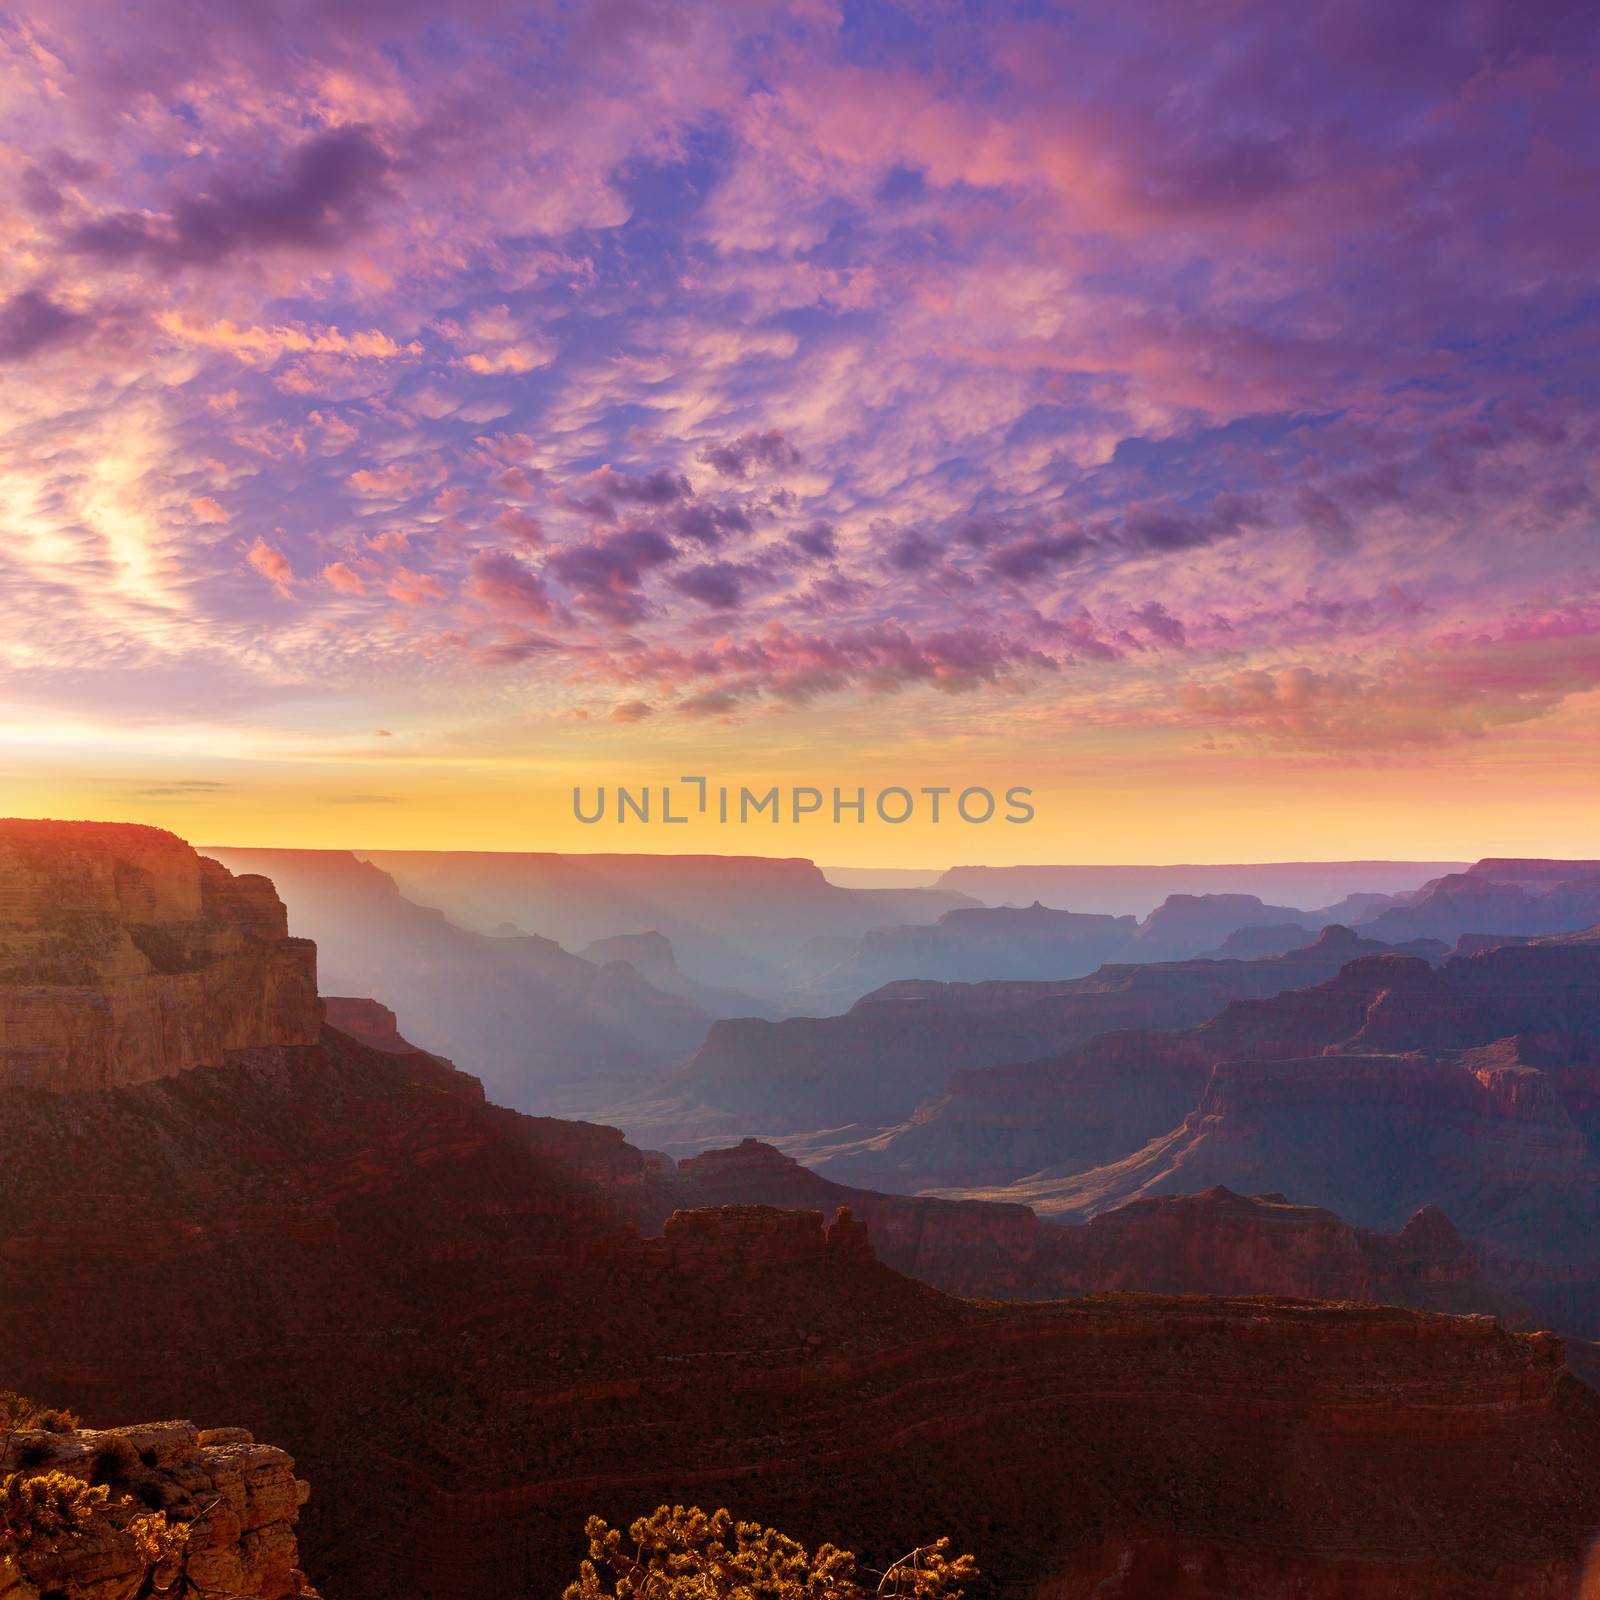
{"x":410,"y":412}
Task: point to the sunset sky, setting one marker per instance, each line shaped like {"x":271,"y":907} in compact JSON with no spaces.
{"x":1188,"y":410}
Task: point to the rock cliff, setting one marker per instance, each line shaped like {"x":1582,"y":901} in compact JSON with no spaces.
{"x":1215,"y":1242}
{"x":239,"y":1500}
{"x":542,"y":1026}
{"x":1105,"y":1100}
{"x":876,"y":1063}
{"x":125,"y":956}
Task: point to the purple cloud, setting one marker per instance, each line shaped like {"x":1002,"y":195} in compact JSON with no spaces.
{"x":323,"y":195}
{"x":31,"y":321}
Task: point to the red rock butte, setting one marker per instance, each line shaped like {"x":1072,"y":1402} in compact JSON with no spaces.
{"x":125,"y":956}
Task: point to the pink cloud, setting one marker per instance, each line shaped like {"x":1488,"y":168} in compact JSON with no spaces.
{"x":273,"y":565}
{"x":344,"y":578}
{"x":414,"y":588}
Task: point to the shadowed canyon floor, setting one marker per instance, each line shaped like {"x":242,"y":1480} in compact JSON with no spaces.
{"x":467,"y":1348}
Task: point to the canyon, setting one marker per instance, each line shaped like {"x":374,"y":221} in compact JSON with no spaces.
{"x":469,"y":1347}
{"x":1392,"y":1085}
{"x":472,"y":1327}
{"x":546,"y":1029}
{"x":873,"y":1066}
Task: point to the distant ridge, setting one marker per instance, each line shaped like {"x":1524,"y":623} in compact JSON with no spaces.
{"x":1139,"y":888}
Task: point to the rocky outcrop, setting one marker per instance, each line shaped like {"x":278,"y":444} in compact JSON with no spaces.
{"x":651,"y":956}
{"x":1531,"y":898}
{"x":471,"y":1349}
{"x":1106,"y":1099}
{"x":547,"y":1030}
{"x":368,"y":1021}
{"x":239,"y":1500}
{"x":1372,"y":1137}
{"x":1215,"y":1242}
{"x":446,"y":1310}
{"x":125,"y":956}
{"x":1185,"y":924}
{"x":975,"y":944}
{"x":873,"y":1066}
{"x":1268,"y":939}
{"x":732,"y":920}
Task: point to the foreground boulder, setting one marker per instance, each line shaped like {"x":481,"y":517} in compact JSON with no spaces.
{"x":236,"y":1502}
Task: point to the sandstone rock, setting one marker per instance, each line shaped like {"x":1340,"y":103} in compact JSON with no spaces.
{"x":240,"y":1500}
{"x":369,"y":1021}
{"x":124,"y":956}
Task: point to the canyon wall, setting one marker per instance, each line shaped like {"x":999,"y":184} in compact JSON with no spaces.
{"x":1215,"y":1242}
{"x":125,"y":956}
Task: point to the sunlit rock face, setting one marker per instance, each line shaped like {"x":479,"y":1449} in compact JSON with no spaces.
{"x":240,"y":1501}
{"x":126,"y":956}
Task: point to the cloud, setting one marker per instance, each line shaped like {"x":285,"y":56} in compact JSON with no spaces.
{"x":1161,"y":625}
{"x":1453,"y":687}
{"x":32,"y":322}
{"x":400,"y":480}
{"x":602,"y":491}
{"x":509,"y":360}
{"x":1036,"y":554}
{"x":517,"y":524}
{"x":606,"y":573}
{"x":273,"y":565}
{"x":718,"y":584}
{"x":1084,"y":378}
{"x":501,"y":582}
{"x":414,"y":588}
{"x":344,"y":578}
{"x":734,"y":458}
{"x":269,"y":344}
{"x":323,"y":195}
{"x":815,"y":542}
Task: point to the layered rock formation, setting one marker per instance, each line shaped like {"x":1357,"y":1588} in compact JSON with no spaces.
{"x":447,"y":1311}
{"x":1372,"y":1137}
{"x":125,"y":956}
{"x":873,"y":1066}
{"x":1058,"y":1117}
{"x":547,"y":1030}
{"x":651,"y":955}
{"x":1037,"y":944}
{"x":238,"y":1499}
{"x":976,"y":944}
{"x":1139,"y":889}
{"x":1215,"y":1242}
{"x":368,"y":1022}
{"x":471,"y":1351}
{"x":1266,"y":939}
{"x":1184,"y":925}
{"x":1475,"y":1088}
{"x":732,"y":920}
{"x":1531,"y":898}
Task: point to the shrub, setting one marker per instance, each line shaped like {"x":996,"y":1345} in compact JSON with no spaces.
{"x":17,"y":1411}
{"x":43,"y":1514}
{"x":687,"y":1554}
